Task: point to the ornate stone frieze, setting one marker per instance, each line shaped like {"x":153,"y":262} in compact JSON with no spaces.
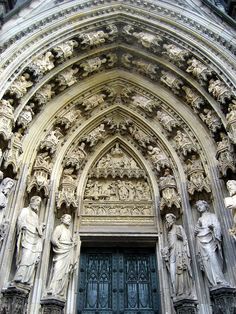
{"x":44,"y":94}
{"x":42,"y":65}
{"x":20,"y":86}
{"x":77,"y":157}
{"x":197,"y":180}
{"x":67,"y":190}
{"x":172,"y":81}
{"x":26,"y":116}
{"x":65,"y":50}
{"x":6,"y":118}
{"x":175,"y":54}
{"x":183,"y":143}
{"x":41,"y":174}
{"x":67,"y":78}
{"x":99,"y":37}
{"x":167,"y":121}
{"x":231,"y":120}
{"x":51,"y":140}
{"x":211,"y":119}
{"x":193,"y":98}
{"x":96,"y":135}
{"x":169,"y":193}
{"x":224,"y":155}
{"x":158,"y":158}
{"x":219,"y":91}
{"x":199,"y":70}
{"x":12,"y":156}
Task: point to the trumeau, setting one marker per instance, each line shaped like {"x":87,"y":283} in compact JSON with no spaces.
{"x":116,"y":114}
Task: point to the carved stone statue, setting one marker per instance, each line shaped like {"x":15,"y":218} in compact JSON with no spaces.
{"x":167,"y":121}
{"x":199,"y":70}
{"x":26,"y":116}
{"x":144,"y":103}
{"x":177,"y":257}
{"x":42,"y":64}
{"x":29,"y":242}
{"x":67,"y":192}
{"x":175,"y":54}
{"x":20,"y":86}
{"x":230,"y":203}
{"x":65,"y":50}
{"x":92,"y":102}
{"x":184,"y":143}
{"x":158,"y":158}
{"x":211,"y":119}
{"x":231,"y":119}
{"x":146,"y":68}
{"x":5,"y":189}
{"x":6,"y":118}
{"x":63,"y":258}
{"x":67,"y":78}
{"x":77,"y":157}
{"x":51,"y":140}
{"x":193,"y":98}
{"x":172,"y":81}
{"x":219,"y":90}
{"x":208,"y":245}
{"x":44,"y":94}
{"x":93,"y":137}
{"x":92,"y":65}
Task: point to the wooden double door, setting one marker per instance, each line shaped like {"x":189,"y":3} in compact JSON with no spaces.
{"x":118,"y":281}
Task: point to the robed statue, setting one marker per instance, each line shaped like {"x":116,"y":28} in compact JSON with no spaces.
{"x":230,"y":203}
{"x":29,"y":242}
{"x":177,"y":258}
{"x":63,"y":258}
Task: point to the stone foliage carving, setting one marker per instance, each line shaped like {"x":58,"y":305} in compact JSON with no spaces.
{"x":199,"y":70}
{"x":99,"y":37}
{"x":177,"y":257}
{"x":193,"y":98}
{"x":26,"y":116}
{"x":29,"y":242}
{"x":172,"y":81}
{"x":176,"y":54}
{"x":92,"y":102}
{"x":231,"y":119}
{"x":211,"y":119}
{"x":6,"y":187}
{"x":208,"y":245}
{"x":20,"y":86}
{"x":44,"y":94}
{"x":6,"y":118}
{"x":144,"y":103}
{"x":224,"y":155}
{"x":197,"y":181}
{"x":158,"y":158}
{"x":97,"y":134}
{"x":167,"y":121}
{"x":77,"y":157}
{"x":183,"y":143}
{"x":67,"y":78}
{"x":12,"y":156}
{"x":219,"y":91}
{"x":41,"y":173}
{"x":169,"y":193}
{"x":230,"y":203}
{"x":65,"y":50}
{"x":67,"y":191}
{"x":51,"y":140}
{"x":42,"y":64}
{"x":63,"y":258}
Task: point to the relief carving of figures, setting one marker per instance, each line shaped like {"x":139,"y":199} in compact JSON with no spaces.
{"x":231,"y":119}
{"x":169,"y":193}
{"x":224,"y":154}
{"x":63,"y":258}
{"x":6,"y":118}
{"x":197,"y":181}
{"x":183,"y":143}
{"x":230,"y":203}
{"x":20,"y":86}
{"x":92,"y":102}
{"x":158,"y":158}
{"x":166,"y":121}
{"x":41,"y":173}
{"x":144,"y":103}
{"x":208,"y":245}
{"x":26,"y":116}
{"x":172,"y":81}
{"x":211,"y":119}
{"x":67,"y":78}
{"x":51,"y":140}
{"x":67,"y":192}
{"x":42,"y":64}
{"x":44,"y":94}
{"x":219,"y":90}
{"x":178,"y":260}
{"x":29,"y":242}
{"x":199,"y":70}
{"x":77,"y":157}
{"x":65,"y":50}
{"x":193,"y":98}
{"x":6,"y":186}
{"x":12,"y":155}
{"x":97,"y":134}
{"x":92,"y":65}
{"x":175,"y":54}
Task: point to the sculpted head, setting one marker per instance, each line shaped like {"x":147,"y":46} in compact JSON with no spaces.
{"x":35,"y":202}
{"x":231,"y":186}
{"x":202,"y":206}
{"x":66,"y":219}
{"x":170,"y":219}
{"x":6,"y":186}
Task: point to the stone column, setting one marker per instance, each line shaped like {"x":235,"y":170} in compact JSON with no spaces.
{"x":223,"y":300}
{"x":52,"y":306}
{"x":14,"y":300}
{"x":186,"y":306}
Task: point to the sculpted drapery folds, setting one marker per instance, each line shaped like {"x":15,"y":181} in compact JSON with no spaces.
{"x":230,"y":203}
{"x":29,"y":242}
{"x":63,"y":258}
{"x":177,"y":257}
{"x":208,"y":245}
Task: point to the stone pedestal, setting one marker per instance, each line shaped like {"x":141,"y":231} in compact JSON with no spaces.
{"x":14,"y":300}
{"x":185,"y":306}
{"x":52,"y":305}
{"x":223,"y":300}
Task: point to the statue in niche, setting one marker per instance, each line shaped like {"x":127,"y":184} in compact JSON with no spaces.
{"x":5,"y":189}
{"x":177,"y":258}
{"x":224,"y":154}
{"x":208,"y":245}
{"x":230,"y":203}
{"x":63,"y":258}
{"x":29,"y":242}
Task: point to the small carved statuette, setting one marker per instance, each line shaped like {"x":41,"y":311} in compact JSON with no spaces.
{"x":97,"y":134}
{"x":42,"y":64}
{"x":169,"y":193}
{"x":65,"y":50}
{"x":219,"y":91}
{"x":6,"y":187}
{"x":224,"y":155}
{"x":144,"y":103}
{"x":172,"y":81}
{"x":146,"y":68}
{"x":211,"y":119}
{"x":138,"y":135}
{"x":208,"y":245}
{"x":183,"y":143}
{"x":178,"y":260}
{"x":77,"y":157}
{"x":231,"y":119}
{"x":12,"y":155}
{"x":63,"y":258}
{"x":92,"y":102}
{"x":158,"y":158}
{"x":44,"y":94}
{"x":98,"y":38}
{"x":67,"y":119}
{"x":176,"y":54}
{"x":20,"y":86}
{"x":51,"y":140}
{"x":199,"y":70}
{"x":67,"y":78}
{"x":167,"y":121}
{"x":92,"y":65}
{"x":26,"y":116}
{"x":29,"y":242}
{"x":67,"y":191}
{"x":230,"y":203}
{"x":193,"y":98}
{"x":6,"y":118}
{"x":4,"y":228}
